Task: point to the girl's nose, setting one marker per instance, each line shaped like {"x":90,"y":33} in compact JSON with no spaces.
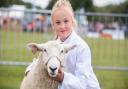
{"x":62,"y":25}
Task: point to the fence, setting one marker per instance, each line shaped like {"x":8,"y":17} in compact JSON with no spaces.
{"x":106,"y":34}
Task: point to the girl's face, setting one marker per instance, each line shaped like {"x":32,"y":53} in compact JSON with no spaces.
{"x":62,"y":23}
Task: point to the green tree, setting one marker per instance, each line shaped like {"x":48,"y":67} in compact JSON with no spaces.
{"x":76,"y":4}
{"x":7,"y":3}
{"x":121,"y":8}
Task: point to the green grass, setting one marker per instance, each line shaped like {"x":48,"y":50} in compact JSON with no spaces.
{"x":108,"y":52}
{"x":113,"y":79}
{"x":105,"y":52}
{"x":13,"y":44}
{"x":11,"y":76}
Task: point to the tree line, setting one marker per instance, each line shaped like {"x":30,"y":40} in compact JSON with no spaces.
{"x":76,"y":4}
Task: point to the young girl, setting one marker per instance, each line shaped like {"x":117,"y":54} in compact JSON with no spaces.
{"x":78,"y":73}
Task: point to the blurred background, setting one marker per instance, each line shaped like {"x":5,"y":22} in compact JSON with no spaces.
{"x":103,"y":24}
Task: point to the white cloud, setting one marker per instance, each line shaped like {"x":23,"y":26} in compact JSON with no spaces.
{"x":44,"y":3}
{"x":106,"y":2}
{"x":41,"y":3}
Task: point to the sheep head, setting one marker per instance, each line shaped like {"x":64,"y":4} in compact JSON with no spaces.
{"x":53,"y":53}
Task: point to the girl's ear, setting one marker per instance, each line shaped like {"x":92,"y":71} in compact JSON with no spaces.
{"x":34,"y":47}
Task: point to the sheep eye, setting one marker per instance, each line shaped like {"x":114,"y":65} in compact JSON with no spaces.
{"x":45,"y":50}
{"x":62,"y":51}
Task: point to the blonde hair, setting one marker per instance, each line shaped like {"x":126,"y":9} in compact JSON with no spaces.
{"x":64,"y":3}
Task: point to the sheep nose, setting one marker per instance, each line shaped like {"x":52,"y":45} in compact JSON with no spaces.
{"x":53,"y":69}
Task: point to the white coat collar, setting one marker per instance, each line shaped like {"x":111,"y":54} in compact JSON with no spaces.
{"x":68,"y":40}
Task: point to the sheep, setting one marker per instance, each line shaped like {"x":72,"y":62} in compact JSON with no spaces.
{"x":47,"y":64}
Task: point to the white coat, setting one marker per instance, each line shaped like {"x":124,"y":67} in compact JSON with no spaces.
{"x":78,"y":70}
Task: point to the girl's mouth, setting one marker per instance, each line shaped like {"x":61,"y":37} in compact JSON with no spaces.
{"x":63,"y":31}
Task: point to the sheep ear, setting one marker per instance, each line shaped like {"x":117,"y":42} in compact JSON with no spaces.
{"x":68,"y":47}
{"x":34,"y":47}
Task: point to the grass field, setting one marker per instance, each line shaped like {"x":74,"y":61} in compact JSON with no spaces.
{"x":105,"y":52}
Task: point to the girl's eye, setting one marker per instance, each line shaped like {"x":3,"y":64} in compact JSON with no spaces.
{"x":65,"y":21}
{"x":58,"y":22}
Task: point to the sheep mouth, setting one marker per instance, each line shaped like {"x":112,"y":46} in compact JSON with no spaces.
{"x":52,"y":74}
